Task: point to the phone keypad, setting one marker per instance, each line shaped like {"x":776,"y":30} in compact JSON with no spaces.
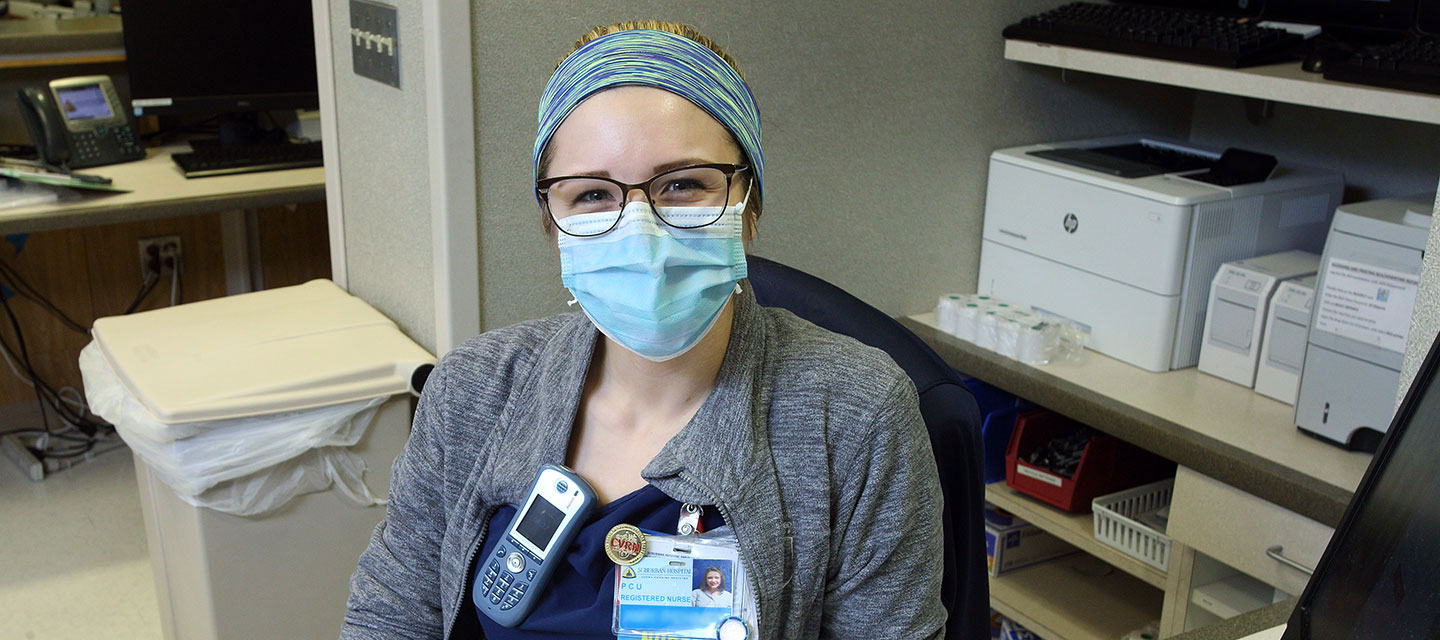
{"x":105,"y":144}
{"x":501,"y":587}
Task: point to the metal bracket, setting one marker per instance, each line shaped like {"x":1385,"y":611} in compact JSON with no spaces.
{"x":1258,"y":110}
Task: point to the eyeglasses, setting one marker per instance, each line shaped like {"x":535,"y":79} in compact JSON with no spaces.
{"x":686,"y":198}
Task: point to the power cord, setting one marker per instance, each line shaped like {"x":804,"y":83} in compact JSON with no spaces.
{"x":21,"y":287}
{"x":81,"y":437}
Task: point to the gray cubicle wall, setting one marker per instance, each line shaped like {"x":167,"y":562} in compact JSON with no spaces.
{"x":1425,"y":320}
{"x":385,"y":178}
{"x":878,"y":119}
{"x":1380,"y":157}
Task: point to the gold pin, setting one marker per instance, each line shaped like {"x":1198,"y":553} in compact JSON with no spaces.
{"x":625,"y":544}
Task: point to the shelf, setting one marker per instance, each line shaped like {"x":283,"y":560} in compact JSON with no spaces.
{"x":1222,"y":430}
{"x":52,"y":39}
{"x":1075,"y":598}
{"x":1284,"y":82}
{"x":1075,"y":528}
{"x":1232,"y":596}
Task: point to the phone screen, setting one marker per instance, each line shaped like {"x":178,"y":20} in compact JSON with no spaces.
{"x":84,"y":103}
{"x":540,"y":522}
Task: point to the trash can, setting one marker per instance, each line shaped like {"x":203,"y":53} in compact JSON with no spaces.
{"x":263,"y":427}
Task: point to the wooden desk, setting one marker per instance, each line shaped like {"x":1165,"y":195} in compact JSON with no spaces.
{"x":160,"y":190}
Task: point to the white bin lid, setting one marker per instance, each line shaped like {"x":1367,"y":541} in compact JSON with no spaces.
{"x":272,"y":351}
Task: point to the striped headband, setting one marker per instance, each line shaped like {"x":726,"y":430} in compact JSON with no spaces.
{"x":658,"y":59}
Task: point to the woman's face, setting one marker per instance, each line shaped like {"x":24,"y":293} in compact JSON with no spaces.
{"x":631,"y":134}
{"x":713,"y":580}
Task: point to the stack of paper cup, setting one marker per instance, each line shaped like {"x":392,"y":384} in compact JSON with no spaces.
{"x":987,"y":330}
{"x":1013,"y":324}
{"x":1007,"y":334}
{"x":968,"y":321}
{"x":1035,"y":342}
{"x":947,"y":312}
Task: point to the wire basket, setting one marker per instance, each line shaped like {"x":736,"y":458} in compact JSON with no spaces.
{"x":1117,"y":522}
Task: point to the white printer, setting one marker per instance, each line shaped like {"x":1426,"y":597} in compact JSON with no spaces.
{"x":1282,"y":351}
{"x":1240,"y":298}
{"x":1123,"y":236}
{"x":1364,"y":297}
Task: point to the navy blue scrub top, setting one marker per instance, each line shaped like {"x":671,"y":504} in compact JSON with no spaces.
{"x":581,"y":596}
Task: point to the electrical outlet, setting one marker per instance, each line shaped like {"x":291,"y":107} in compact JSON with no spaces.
{"x":159,"y":254}
{"x":375,"y":41}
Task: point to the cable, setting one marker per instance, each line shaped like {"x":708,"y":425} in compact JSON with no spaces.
{"x":79,"y":437}
{"x":25,"y":358}
{"x":24,"y":289}
{"x":145,"y":289}
{"x":43,"y":391}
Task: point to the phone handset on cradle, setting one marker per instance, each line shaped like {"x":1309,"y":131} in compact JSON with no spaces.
{"x":79,"y":122}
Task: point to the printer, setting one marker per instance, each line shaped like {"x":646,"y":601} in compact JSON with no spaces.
{"x":1364,"y":297}
{"x":1239,"y":303}
{"x":1123,"y":235}
{"x":1282,"y":351}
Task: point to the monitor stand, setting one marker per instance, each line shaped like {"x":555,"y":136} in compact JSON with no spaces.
{"x":241,"y":129}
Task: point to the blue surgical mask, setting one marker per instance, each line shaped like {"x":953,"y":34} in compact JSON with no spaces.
{"x":655,"y":289}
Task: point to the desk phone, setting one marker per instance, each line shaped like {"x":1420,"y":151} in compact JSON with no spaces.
{"x":79,"y":122}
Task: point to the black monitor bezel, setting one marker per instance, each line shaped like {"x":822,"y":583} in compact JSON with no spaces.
{"x":1346,"y":15}
{"x":214,"y":103}
{"x":1230,"y":8}
{"x":1298,"y":627}
{"x":230,"y":104}
{"x":1427,"y":17}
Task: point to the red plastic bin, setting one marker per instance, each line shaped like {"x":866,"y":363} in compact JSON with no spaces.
{"x":1107,"y":465}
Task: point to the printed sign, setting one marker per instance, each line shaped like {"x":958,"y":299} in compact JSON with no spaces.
{"x":1366,"y":303}
{"x":1031,"y":472}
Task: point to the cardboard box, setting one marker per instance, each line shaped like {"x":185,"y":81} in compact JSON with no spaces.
{"x":1012,"y":543}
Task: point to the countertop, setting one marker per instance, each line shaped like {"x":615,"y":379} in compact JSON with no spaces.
{"x":29,"y":36}
{"x":1217,"y":428}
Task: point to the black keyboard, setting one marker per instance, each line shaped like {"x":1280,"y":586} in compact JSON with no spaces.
{"x":223,"y":160}
{"x":1160,"y":32}
{"x":1412,"y":64}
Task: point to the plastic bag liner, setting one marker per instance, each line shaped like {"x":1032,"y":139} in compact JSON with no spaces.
{"x":243,"y":466}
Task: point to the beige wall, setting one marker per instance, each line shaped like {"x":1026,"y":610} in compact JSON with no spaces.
{"x":878,"y":118}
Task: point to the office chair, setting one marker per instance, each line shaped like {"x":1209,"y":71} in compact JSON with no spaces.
{"x":951,"y":416}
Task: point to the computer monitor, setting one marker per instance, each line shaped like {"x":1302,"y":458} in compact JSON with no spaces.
{"x":1346,"y":16}
{"x":221,"y":57}
{"x":1227,"y":7}
{"x":1427,"y":17}
{"x":1380,"y":574}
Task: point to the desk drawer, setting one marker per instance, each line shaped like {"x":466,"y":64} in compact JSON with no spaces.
{"x":1236,"y":528}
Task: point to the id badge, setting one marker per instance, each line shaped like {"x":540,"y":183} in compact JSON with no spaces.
{"x":685,"y":587}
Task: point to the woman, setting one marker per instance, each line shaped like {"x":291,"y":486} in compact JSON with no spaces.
{"x":672,"y":390}
{"x":713,"y":593}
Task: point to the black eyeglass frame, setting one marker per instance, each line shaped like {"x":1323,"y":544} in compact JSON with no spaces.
{"x":542,"y":190}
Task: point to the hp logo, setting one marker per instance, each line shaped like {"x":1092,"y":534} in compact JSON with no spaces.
{"x":1071,"y":223}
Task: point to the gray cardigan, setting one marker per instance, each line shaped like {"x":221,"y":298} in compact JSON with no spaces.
{"x":811,"y":446}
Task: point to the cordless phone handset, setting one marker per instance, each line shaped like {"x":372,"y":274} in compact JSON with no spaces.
{"x":513,"y":577}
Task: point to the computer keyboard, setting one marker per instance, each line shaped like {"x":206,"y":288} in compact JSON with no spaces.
{"x":225,"y":160}
{"x":1160,"y":32}
{"x":1412,"y":64}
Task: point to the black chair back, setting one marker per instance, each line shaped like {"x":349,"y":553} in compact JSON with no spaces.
{"x":951,"y":416}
